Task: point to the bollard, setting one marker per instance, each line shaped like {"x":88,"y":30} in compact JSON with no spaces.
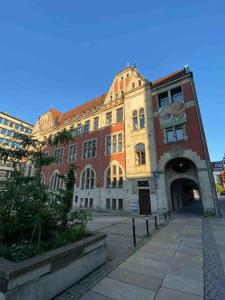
{"x":156,"y":226}
{"x":134,"y":234}
{"x":147,"y":227}
{"x":164,"y":210}
{"x":169,"y":214}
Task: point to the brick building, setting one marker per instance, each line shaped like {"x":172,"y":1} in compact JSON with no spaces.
{"x":140,"y":146}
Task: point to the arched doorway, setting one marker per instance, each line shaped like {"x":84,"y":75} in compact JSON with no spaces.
{"x":185,"y":196}
{"x":183,"y":186}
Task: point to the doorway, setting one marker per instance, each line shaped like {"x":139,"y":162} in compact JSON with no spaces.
{"x":144,"y":201}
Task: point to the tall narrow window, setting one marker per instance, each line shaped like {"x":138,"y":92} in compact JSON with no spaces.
{"x":107,"y":203}
{"x":114,"y":143}
{"x":88,"y":179}
{"x":86,"y":126}
{"x":96,"y":121}
{"x":108,"y":145}
{"x":176,"y":94}
{"x":72,"y":153}
{"x":135,"y":120}
{"x":120,"y":142}
{"x":109,"y":118}
{"x":89,"y":149}
{"x":119,"y":115}
{"x":140,"y":154}
{"x":170,"y":135}
{"x":141,"y":118}
{"x":114,"y":177}
{"x":59,"y":155}
{"x":163,"y":99}
{"x":55,"y":182}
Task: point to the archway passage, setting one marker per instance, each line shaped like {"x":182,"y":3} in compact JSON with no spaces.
{"x":185,"y":196}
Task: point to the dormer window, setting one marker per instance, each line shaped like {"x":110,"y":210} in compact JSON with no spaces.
{"x":84,"y":113}
{"x":122,"y":78}
{"x":127,"y":75}
{"x":133,"y":85}
{"x":116,"y":95}
{"x":139,"y":82}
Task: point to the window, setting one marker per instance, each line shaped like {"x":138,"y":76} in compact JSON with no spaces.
{"x":86,"y":126}
{"x":120,"y":204}
{"x":91,"y":202}
{"x":176,"y":94}
{"x":4,"y":131}
{"x":119,"y":115}
{"x":1,"y":120}
{"x":135,"y":120}
{"x":76,"y":199}
{"x":109,"y":118}
{"x":133,"y":85}
{"x":108,"y":144}
{"x":86,"y":202}
{"x":55,"y":182}
{"x":114,"y":177}
{"x":5,"y":122}
{"x":113,"y":203}
{"x":114,"y":143}
{"x":141,"y":118}
{"x":17,"y":126}
{"x":174,"y":134}
{"x":89,"y":149}
{"x":72,"y":153}
{"x":107,"y":203}
{"x":139,"y":82}
{"x":140,"y":154}
{"x":59,"y":155}
{"x":163,"y":99}
{"x":96,"y":121}
{"x":88,"y":179}
{"x":79,"y":129}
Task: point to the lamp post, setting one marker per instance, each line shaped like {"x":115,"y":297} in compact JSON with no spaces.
{"x":156,"y":176}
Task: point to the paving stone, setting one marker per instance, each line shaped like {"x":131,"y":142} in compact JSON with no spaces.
{"x":148,"y":262}
{"x":183,"y":284}
{"x":133,"y":278}
{"x":122,"y":291}
{"x":154,"y":256}
{"x":91,"y":295}
{"x":144,"y":270}
{"x":186,"y":271}
{"x":168,"y":294}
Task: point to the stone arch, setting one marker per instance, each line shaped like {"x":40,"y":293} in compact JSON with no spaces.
{"x":81,"y":174}
{"x":113,"y":162}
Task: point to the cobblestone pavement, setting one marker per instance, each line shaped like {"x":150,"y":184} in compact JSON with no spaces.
{"x":119,"y":244}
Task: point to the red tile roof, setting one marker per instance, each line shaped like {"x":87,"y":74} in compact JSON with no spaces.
{"x":168,"y":78}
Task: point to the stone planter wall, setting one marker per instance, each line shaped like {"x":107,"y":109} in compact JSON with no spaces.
{"x":45,"y":276}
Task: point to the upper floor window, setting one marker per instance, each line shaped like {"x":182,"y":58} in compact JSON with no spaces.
{"x":89,"y":149}
{"x":163,"y":99}
{"x":140,"y":154}
{"x":108,"y":118}
{"x":45,"y":154}
{"x":174,"y":134}
{"x":88,"y":179}
{"x":114,"y":177}
{"x":119,"y":115}
{"x":59,"y":155}
{"x":55,"y":182}
{"x":96,"y":121}
{"x":114,"y":143}
{"x":176,"y":94}
{"x":79,"y":129}
{"x":138,"y":119}
{"x":72,"y":153}
{"x":86,"y":126}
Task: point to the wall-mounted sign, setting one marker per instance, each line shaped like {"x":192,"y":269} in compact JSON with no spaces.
{"x":172,"y":115}
{"x":217,"y":166}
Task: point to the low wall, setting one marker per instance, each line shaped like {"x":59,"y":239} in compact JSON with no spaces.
{"x":45,"y":276}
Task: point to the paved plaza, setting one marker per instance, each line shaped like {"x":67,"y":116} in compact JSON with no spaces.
{"x":184,"y":260}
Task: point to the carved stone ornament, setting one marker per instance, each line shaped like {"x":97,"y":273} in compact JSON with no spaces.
{"x":176,"y":152}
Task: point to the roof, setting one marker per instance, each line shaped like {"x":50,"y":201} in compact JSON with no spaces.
{"x":78,"y":111}
{"x":15,"y":118}
{"x":169,"y":77}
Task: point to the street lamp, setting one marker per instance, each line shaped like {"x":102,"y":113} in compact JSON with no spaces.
{"x":156,"y":176}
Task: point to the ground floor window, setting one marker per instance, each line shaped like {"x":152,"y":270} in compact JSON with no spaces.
{"x":114,"y":204}
{"x":120,"y":204}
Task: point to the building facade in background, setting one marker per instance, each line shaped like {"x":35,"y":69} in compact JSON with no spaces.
{"x":139,"y":147}
{"x":9,"y":126}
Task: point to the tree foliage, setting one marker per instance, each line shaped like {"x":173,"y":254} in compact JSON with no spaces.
{"x":34,"y":219}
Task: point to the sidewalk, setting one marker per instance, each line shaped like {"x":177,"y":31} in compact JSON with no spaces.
{"x":170,"y":267}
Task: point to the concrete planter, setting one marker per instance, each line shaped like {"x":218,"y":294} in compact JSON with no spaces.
{"x":45,"y":276}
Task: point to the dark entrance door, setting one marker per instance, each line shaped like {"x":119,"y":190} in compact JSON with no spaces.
{"x":144,"y":202}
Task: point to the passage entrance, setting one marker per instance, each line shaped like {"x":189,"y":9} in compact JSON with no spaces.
{"x":185,"y":195}
{"x":144,"y":201}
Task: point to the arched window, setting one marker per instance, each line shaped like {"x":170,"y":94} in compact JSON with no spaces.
{"x":140,"y":154}
{"x":114,"y":177}
{"x":88,"y":179}
{"x":135,"y":120}
{"x":141,"y":118}
{"x":55,"y":182}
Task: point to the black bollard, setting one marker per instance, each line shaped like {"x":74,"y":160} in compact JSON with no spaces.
{"x":134,"y":234}
{"x":156,"y":225}
{"x":147,"y":227}
{"x":169,"y":214}
{"x":164,"y":210}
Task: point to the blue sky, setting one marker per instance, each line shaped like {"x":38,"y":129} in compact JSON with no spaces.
{"x":66,"y":52}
